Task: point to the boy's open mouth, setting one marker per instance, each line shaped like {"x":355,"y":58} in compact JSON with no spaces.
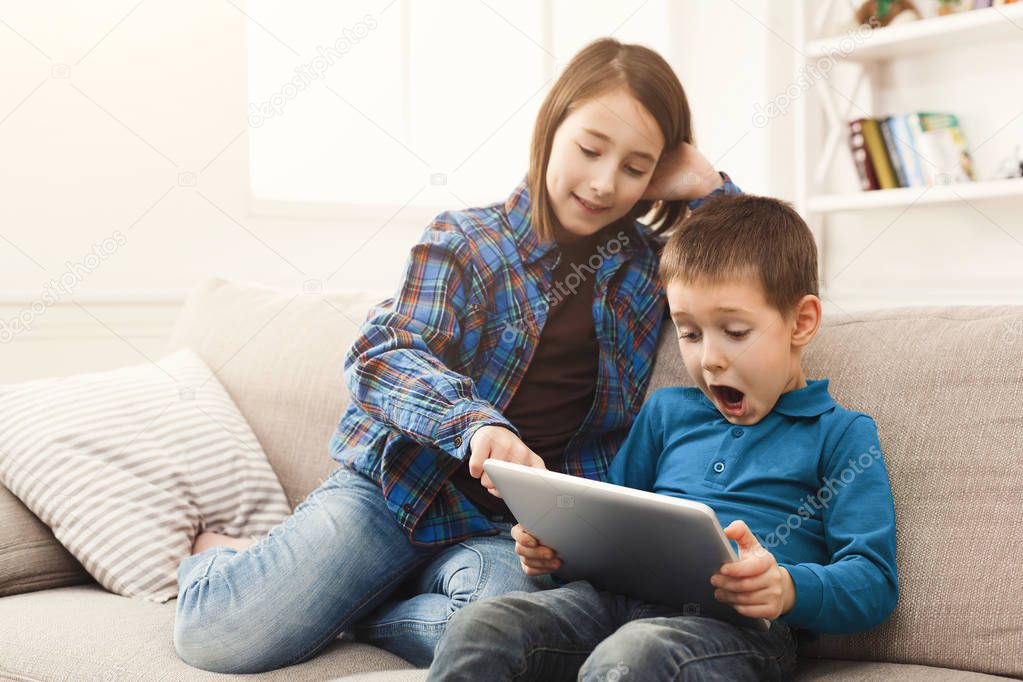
{"x":732,"y":400}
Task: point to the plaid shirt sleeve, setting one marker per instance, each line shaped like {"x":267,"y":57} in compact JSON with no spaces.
{"x":395,"y":370}
{"x":728,"y":187}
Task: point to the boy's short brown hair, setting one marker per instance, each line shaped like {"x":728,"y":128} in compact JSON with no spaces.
{"x":739,"y":235}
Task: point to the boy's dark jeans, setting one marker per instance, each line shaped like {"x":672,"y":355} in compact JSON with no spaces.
{"x":577,"y":631}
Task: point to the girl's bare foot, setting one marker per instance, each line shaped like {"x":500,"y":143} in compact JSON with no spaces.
{"x":206,"y":540}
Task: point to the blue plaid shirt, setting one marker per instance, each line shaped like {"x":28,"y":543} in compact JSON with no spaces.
{"x":446,"y":354}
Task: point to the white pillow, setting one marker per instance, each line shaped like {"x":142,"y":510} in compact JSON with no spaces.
{"x":128,"y":466}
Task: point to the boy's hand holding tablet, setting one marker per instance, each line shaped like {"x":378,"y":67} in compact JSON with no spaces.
{"x":755,"y":585}
{"x":536,"y":559}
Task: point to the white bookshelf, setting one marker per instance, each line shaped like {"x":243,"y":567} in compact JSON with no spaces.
{"x":963,"y":28}
{"x":822,"y":120}
{"x":915,"y":196}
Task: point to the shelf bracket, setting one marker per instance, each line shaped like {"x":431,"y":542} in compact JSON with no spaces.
{"x":838,"y":126}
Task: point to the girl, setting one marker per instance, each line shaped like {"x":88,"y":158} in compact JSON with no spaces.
{"x":524,"y":330}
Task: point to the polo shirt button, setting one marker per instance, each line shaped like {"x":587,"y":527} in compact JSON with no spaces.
{"x":719,"y":467}
{"x":407,"y":507}
{"x":458,"y":441}
{"x":737,"y":432}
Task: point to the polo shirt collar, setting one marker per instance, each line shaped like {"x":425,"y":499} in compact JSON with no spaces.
{"x":810,"y":401}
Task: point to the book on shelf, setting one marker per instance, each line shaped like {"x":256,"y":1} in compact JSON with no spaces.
{"x":858,"y":146}
{"x":906,"y":147}
{"x":944,"y":137}
{"x":878,"y":154}
{"x":920,"y":149}
{"x":889,"y":143}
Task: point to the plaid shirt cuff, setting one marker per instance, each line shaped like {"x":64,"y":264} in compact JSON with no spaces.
{"x":728,"y":188}
{"x":460,"y":423}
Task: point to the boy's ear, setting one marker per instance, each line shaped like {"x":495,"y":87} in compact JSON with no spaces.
{"x":806,"y":320}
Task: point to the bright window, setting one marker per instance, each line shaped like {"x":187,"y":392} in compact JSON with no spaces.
{"x":397,"y":102}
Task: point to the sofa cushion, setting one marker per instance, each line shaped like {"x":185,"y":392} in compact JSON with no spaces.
{"x":30,"y":557}
{"x":944,"y":386}
{"x":101,"y":636}
{"x":128,"y":465}
{"x":85,"y":633}
{"x":808,"y":670}
{"x":280,"y":356}
{"x":830,"y":670}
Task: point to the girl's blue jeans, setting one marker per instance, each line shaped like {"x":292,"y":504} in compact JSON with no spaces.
{"x":339,"y":563}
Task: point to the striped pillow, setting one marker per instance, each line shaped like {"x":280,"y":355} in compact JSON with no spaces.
{"x":128,"y":466}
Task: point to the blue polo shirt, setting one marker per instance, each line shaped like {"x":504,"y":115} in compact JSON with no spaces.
{"x":809,"y":480}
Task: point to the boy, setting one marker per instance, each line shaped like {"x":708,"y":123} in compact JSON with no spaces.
{"x":798,"y":481}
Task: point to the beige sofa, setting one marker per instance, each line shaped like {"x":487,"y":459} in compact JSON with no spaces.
{"x":945,"y":386}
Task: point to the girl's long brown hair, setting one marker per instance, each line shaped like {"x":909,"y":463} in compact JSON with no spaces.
{"x":603,"y":66}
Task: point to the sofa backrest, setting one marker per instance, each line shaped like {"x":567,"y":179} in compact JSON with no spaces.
{"x":280,"y":355}
{"x":943,"y":384}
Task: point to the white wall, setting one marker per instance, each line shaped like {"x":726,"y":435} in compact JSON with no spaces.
{"x":131,"y":120}
{"x":127,"y":122}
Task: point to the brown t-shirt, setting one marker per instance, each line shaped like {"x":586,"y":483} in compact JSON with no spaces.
{"x":558,"y":388}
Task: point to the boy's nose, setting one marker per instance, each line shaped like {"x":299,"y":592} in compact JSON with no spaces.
{"x":713,"y":359}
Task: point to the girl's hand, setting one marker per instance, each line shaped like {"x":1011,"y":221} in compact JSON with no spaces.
{"x":536,"y":559}
{"x":499,"y":443}
{"x":755,"y":585}
{"x":682,"y":174}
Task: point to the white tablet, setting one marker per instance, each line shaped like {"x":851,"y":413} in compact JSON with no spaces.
{"x":653,"y":547}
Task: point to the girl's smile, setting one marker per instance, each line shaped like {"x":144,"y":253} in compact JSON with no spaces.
{"x":589,"y":208}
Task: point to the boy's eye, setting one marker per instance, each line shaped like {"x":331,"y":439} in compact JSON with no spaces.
{"x":737,"y":334}
{"x":635,"y":171}
{"x":689,"y":335}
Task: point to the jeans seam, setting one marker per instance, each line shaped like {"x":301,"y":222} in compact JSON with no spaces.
{"x":482,"y":579}
{"x":551,"y":650}
{"x":398,"y":628}
{"x":346,"y":621}
{"x":214,"y":553}
{"x":701,"y":659}
{"x":392,"y":624}
{"x":395,"y":625}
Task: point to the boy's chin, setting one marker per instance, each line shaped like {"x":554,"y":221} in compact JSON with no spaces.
{"x":745,"y":420}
